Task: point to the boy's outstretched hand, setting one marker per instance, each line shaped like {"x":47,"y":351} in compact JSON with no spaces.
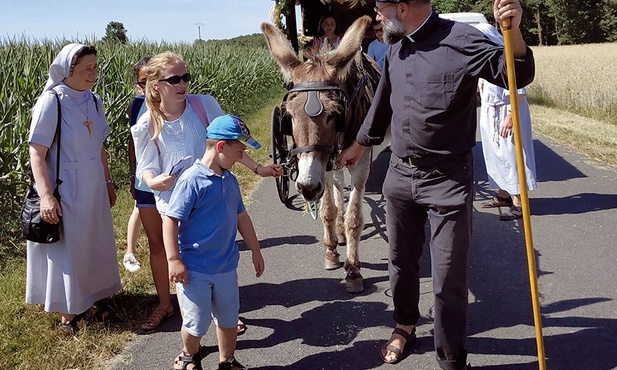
{"x":258,"y":262}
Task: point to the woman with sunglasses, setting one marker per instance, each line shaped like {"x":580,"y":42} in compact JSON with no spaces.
{"x":170,"y":131}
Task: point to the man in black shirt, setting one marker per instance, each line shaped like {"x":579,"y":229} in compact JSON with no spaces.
{"x":427,"y":94}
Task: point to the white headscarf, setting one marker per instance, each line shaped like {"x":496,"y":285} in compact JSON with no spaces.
{"x":61,"y":66}
{"x":490,"y":32}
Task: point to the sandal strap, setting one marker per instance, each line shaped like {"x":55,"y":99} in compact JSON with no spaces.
{"x":397,"y":351}
{"x":185,"y":360}
{"x":157,"y":317}
{"x":404,"y":333}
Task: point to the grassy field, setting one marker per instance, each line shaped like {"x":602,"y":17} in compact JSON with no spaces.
{"x":577,"y":78}
{"x":581,"y":80}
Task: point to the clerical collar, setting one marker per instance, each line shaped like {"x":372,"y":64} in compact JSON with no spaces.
{"x":419,"y":28}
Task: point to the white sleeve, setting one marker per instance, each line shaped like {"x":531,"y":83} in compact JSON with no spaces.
{"x":212,"y":107}
{"x":146,"y":151}
{"x":44,"y":120}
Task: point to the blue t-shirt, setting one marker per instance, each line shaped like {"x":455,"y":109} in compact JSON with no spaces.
{"x":377,"y":50}
{"x":207,"y":206}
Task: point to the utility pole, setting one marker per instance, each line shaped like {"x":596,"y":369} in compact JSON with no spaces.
{"x":199,"y":24}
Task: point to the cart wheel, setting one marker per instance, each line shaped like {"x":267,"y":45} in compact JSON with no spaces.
{"x":280,"y":154}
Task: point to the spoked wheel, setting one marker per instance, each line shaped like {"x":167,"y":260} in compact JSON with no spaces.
{"x":280,"y":154}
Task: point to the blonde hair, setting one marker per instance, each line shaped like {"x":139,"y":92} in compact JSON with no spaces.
{"x":154,"y":70}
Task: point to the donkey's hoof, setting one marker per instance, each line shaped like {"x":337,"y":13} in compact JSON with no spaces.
{"x":332,"y":260}
{"x":354,"y":285}
{"x":332,"y":265}
{"x":342,"y":240}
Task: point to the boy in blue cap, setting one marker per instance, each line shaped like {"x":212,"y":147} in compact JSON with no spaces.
{"x":199,"y":231}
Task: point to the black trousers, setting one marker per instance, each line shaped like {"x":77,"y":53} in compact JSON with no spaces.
{"x":443,"y":194}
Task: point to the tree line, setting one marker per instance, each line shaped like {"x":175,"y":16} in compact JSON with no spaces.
{"x":552,"y":22}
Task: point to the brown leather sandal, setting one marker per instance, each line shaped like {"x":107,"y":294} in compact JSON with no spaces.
{"x":497,"y":201}
{"x":156,"y":319}
{"x":398,"y":352}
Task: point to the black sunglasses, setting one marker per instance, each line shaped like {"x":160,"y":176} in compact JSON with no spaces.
{"x":174,"y":80}
{"x":142,"y":84}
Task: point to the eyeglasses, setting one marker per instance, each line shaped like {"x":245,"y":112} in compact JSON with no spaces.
{"x":379,"y":10}
{"x":174,"y":80}
{"x":142,"y":84}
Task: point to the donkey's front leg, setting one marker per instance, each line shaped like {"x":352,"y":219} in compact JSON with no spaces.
{"x":354,"y":224}
{"x":339,"y":202}
{"x":327,"y":213}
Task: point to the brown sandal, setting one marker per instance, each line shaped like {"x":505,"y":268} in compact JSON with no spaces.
{"x":158,"y":316}
{"x":497,"y":201}
{"x":398,"y":352}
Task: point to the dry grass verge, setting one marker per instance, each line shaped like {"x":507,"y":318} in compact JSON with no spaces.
{"x":596,"y":139}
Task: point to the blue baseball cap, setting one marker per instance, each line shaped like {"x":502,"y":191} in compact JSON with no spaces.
{"x":229,"y":127}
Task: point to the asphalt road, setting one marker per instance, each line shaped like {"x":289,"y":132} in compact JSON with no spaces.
{"x":299,"y":316}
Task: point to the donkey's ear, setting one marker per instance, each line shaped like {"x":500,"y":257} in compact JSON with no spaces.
{"x":280,"y":47}
{"x":350,"y":44}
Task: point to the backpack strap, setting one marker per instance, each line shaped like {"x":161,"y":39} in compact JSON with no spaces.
{"x":94,"y":100}
{"x":134,"y":109}
{"x":198,"y":107}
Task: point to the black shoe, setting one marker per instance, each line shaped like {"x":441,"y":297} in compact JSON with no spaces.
{"x":231,"y":364}
{"x":468,"y":367}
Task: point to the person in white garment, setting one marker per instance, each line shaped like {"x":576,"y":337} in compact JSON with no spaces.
{"x":496,"y":129}
{"x":71,"y":275}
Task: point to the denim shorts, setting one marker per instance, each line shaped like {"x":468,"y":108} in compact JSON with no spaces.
{"x":144,"y":199}
{"x":209,"y":297}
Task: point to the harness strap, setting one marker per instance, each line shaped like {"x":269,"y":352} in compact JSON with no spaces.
{"x":310,"y":148}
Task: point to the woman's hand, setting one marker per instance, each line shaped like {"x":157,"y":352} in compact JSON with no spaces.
{"x":161,"y":182}
{"x":50,"y":209}
{"x":111,"y":193}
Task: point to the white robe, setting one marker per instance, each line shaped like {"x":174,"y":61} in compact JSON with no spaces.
{"x":500,"y":152}
{"x":72,"y":274}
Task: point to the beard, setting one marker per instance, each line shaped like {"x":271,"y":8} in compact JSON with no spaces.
{"x":393,"y":30}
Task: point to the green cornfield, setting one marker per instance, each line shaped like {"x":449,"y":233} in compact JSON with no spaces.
{"x":239,"y":77}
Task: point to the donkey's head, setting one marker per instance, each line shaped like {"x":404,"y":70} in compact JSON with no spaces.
{"x":316,"y":103}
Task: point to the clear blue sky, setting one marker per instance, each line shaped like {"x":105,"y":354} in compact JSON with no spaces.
{"x":154,"y":20}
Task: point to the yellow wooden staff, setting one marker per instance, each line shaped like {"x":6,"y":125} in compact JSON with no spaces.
{"x":520,"y":164}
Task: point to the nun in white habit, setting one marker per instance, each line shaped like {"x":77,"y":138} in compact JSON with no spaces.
{"x":71,"y":275}
{"x":498,"y":143}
